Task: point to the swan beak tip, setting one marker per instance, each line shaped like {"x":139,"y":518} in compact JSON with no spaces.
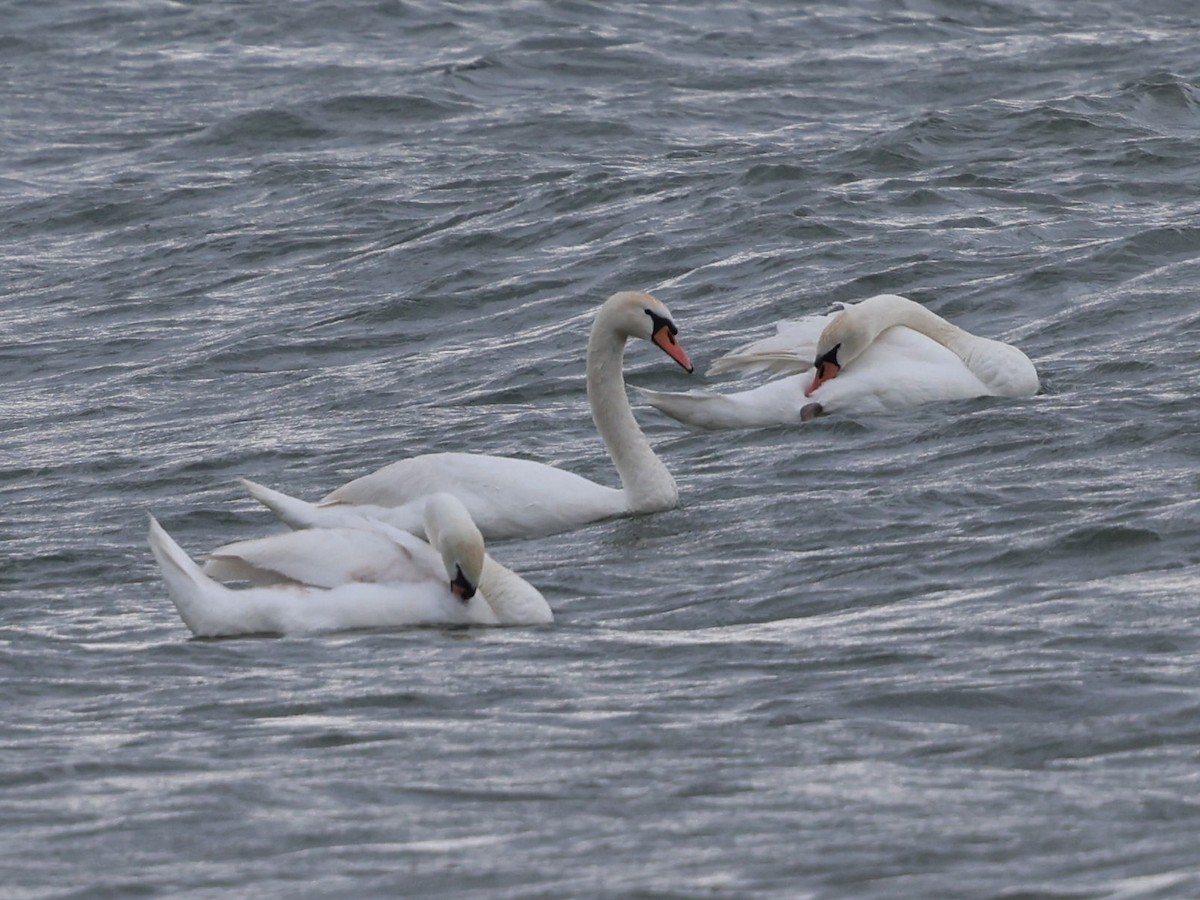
{"x":826,"y":369}
{"x":665,"y":341}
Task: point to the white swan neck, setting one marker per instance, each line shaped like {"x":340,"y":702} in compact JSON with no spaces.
{"x":513,"y":599}
{"x":648,"y":485}
{"x":902,"y":311}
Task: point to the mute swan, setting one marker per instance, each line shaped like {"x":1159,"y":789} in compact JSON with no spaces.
{"x":323,"y":580}
{"x":509,"y":497}
{"x":883,"y":354}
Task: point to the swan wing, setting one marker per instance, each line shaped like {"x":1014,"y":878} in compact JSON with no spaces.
{"x":789,"y":351}
{"x":327,"y":557}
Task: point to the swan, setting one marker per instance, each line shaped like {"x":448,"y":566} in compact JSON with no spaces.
{"x":378,"y":553}
{"x":509,"y":497}
{"x":883,"y":354}
{"x":328,"y":580}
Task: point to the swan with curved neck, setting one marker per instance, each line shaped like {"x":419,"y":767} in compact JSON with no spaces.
{"x":334,"y":579}
{"x":1003,"y":370}
{"x":883,"y":354}
{"x":509,"y":497}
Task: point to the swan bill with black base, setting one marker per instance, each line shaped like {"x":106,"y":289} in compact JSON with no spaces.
{"x":662,"y":335}
{"x":826,"y":367}
{"x":460,"y":585}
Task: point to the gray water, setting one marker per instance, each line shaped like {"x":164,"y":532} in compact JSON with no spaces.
{"x":945,"y":653}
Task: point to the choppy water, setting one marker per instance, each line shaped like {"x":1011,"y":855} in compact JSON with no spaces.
{"x":949,"y":653}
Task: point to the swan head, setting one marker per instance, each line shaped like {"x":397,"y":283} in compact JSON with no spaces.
{"x":453,"y":533}
{"x":854,"y":329}
{"x":844,"y":338}
{"x":636,"y":314}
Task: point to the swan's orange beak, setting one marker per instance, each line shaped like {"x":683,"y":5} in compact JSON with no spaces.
{"x":665,"y":341}
{"x":826,"y":369}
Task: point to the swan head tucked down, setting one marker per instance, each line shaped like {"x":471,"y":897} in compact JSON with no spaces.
{"x":453,"y":533}
{"x":636,"y":314}
{"x":852,"y":331}
{"x":844,"y":338}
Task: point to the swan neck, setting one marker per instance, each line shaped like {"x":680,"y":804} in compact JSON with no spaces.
{"x":918,"y":318}
{"x":513,"y":599}
{"x":647,"y":483}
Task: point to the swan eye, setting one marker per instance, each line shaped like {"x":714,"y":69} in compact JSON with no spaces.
{"x":657,"y":322}
{"x":829,"y":356}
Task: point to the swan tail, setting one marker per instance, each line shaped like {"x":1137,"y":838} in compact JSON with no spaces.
{"x":292,"y":511}
{"x":779,"y":402}
{"x":700,"y":410}
{"x":192,"y":592}
{"x":300,"y":514}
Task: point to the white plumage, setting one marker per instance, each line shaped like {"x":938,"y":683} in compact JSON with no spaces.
{"x":369,"y":576}
{"x":893,"y":354}
{"x":509,"y":497}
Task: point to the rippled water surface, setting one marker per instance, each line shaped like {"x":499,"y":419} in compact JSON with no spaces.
{"x":951,"y":652}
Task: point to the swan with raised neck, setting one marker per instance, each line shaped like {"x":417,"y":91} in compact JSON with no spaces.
{"x":511,"y":497}
{"x":647,"y":483}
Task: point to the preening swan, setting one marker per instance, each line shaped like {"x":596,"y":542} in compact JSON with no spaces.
{"x":509,"y":497}
{"x":883,"y":354}
{"x":333,"y":579}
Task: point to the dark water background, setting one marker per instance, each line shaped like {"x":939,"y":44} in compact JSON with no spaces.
{"x":948,"y":653}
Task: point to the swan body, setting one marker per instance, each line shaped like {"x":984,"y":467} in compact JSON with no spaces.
{"x":373,"y":576}
{"x":508,"y":497}
{"x":371,"y":552}
{"x":883,"y":354}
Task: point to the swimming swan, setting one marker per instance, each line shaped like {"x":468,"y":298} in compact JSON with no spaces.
{"x":883,"y":354}
{"x":509,"y":497}
{"x":329,"y":580}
